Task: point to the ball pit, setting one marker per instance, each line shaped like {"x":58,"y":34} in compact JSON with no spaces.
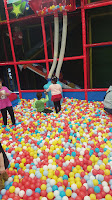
{"x":61,"y":156}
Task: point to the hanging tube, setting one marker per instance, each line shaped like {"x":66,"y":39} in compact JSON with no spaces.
{"x":56,"y":41}
{"x":63,"y":45}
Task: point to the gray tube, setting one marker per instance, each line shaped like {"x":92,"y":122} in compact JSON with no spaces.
{"x":63,"y":45}
{"x":56,"y":41}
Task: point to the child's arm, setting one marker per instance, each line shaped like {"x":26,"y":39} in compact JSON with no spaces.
{"x":2,"y":167}
{"x":48,"y":89}
{"x":7,"y":92}
{"x":45,"y":100}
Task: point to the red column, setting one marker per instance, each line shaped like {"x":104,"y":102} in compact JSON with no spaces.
{"x":12,"y":47}
{"x":84,"y":46}
{"x":51,"y":37}
{"x":45,"y":44}
{"x":88,"y":61}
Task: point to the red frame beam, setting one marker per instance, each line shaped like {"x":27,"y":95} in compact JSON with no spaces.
{"x":40,"y":61}
{"x":84,"y":46}
{"x":45,"y":44}
{"x":12,"y":48}
{"x":99,"y":44}
{"x":96,"y":5}
{"x":72,"y":90}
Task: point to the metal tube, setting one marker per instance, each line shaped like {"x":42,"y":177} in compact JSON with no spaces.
{"x":99,"y":44}
{"x":96,"y":5}
{"x":84,"y":46}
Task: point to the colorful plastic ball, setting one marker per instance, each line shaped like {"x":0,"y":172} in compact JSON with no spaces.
{"x":62,"y":194}
{"x":50,"y":195}
{"x":29,"y":192}
{"x":108,"y":197}
{"x":97,"y":189}
{"x":21,"y":193}
{"x":3,"y":191}
{"x":68,"y":192}
{"x":12,"y":189}
{"x":106,"y":189}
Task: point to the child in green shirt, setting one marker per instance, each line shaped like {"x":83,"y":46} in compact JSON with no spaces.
{"x":39,"y":104}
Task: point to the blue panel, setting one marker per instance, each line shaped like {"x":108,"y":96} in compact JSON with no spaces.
{"x":96,"y":96}
{"x":92,"y":96}
{"x":31,"y":95}
{"x":15,"y":102}
{"x":75,"y":95}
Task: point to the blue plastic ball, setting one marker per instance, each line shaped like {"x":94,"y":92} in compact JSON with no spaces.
{"x":29,"y":192}
{"x":97,"y":189}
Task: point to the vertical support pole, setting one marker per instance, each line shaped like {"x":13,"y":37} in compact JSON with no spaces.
{"x":51,"y":37}
{"x":12,"y":47}
{"x":84,"y":46}
{"x":88,"y":61}
{"x":45,"y":44}
{"x":90,"y":53}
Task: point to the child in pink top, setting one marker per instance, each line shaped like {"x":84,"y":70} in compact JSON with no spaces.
{"x":5,"y":104}
{"x":56,"y":90}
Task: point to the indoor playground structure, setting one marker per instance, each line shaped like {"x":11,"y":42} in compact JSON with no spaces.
{"x":64,"y":156}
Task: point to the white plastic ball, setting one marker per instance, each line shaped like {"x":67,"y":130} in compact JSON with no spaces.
{"x":17,"y":190}
{"x":106,"y":189}
{"x":52,"y":182}
{"x":86,"y":198}
{"x":45,"y":167}
{"x":56,"y":193}
{"x":74,"y":186}
{"x":32,"y":175}
{"x":96,"y":167}
{"x":85,"y":184}
{"x":21,"y":193}
{"x":92,"y":178}
{"x":10,"y":179}
{"x":104,"y":183}
{"x":65,"y":198}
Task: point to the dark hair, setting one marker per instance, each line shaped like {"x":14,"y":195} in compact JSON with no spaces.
{"x":1,"y":80}
{"x":39,"y":95}
{"x":54,"y":78}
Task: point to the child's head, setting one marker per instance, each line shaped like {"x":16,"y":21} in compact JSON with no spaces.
{"x":16,"y":28}
{"x":0,"y":83}
{"x":39,"y":95}
{"x":54,"y":79}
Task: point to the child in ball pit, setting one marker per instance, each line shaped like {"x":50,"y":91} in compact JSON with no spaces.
{"x":5,"y":104}
{"x":56,"y":91}
{"x":39,"y":104}
{"x":3,"y":166}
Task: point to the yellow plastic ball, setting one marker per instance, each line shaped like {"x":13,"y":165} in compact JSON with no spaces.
{"x":89,"y":168}
{"x":68,"y":192}
{"x":95,"y":182}
{"x":105,"y":161}
{"x":108,"y":197}
{"x":43,"y":187}
{"x":79,"y":184}
{"x":21,"y":165}
{"x":12,"y":165}
{"x":23,"y":160}
{"x":12,"y":189}
{"x":92,"y":196}
{"x":107,"y":172}
{"x":50,"y":195}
